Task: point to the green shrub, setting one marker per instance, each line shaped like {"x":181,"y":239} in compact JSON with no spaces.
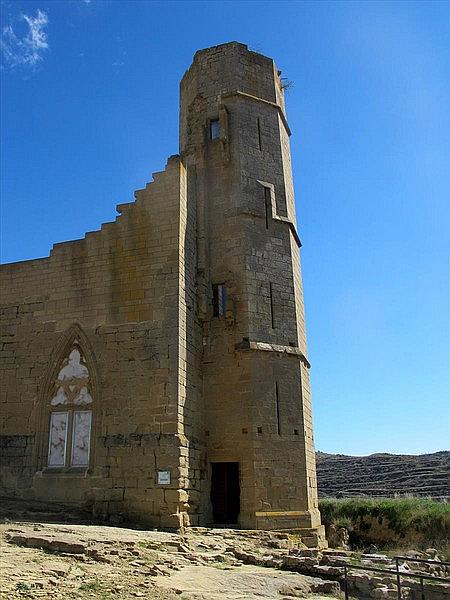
{"x":405,"y":517}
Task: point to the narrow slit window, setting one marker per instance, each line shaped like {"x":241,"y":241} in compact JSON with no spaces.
{"x":268,"y":205}
{"x":219,"y":300}
{"x":214,"y":129}
{"x":258,"y":122}
{"x":272,"y":312}
{"x":277,"y":406}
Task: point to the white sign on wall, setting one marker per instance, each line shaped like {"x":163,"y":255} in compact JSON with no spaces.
{"x":163,"y":477}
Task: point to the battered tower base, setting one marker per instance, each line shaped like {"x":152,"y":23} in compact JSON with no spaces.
{"x":306,"y":524}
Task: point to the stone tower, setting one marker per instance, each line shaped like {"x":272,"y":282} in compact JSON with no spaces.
{"x":156,"y":369}
{"x":234,"y":142}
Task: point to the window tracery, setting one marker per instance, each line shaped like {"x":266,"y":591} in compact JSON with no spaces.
{"x":70,"y":418}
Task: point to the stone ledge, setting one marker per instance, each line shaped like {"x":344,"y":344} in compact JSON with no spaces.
{"x":266,"y":347}
{"x":291,"y":227}
{"x":257,"y":99}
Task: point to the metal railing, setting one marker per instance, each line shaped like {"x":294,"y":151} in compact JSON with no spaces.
{"x":399,"y":574}
{"x":438,"y":563}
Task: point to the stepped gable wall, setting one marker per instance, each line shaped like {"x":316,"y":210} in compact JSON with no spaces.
{"x":113,"y":294}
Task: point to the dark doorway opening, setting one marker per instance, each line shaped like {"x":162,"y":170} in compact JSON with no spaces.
{"x":225,"y":492}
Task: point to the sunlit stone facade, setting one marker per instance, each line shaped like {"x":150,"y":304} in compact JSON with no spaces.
{"x":157,"y":368}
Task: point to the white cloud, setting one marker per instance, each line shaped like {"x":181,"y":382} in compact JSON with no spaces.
{"x":28,"y":49}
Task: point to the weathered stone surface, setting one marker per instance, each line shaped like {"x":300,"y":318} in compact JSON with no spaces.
{"x":299,"y":563}
{"x":338,"y":537}
{"x":325,"y":587}
{"x":209,"y":570}
{"x":47,"y":543}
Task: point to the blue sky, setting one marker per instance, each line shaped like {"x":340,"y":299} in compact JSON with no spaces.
{"x":90,"y":109}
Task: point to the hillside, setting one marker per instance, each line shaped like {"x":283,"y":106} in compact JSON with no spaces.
{"x":383,"y":475}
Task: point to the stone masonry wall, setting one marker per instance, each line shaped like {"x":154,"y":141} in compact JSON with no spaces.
{"x":120,"y":286}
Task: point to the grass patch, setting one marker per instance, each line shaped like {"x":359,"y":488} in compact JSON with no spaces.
{"x":95,"y":589}
{"x":412,"y":518}
{"x":221,"y":566}
{"x":90,"y":586}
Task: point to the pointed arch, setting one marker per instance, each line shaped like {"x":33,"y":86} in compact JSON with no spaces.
{"x":74,"y":336}
{"x":69,"y":395}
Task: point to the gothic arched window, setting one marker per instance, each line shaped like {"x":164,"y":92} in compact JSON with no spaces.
{"x":70,"y":412}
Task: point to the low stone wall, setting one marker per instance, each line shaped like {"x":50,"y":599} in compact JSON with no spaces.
{"x":328,"y":564}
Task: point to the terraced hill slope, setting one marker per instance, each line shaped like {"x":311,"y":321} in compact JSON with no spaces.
{"x":383,"y":475}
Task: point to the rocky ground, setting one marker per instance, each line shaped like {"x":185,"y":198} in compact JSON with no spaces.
{"x":383,"y":475}
{"x":57,"y":555}
{"x":43,"y":560}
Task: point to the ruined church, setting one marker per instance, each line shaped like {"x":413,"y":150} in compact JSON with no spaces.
{"x":157,"y":369}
